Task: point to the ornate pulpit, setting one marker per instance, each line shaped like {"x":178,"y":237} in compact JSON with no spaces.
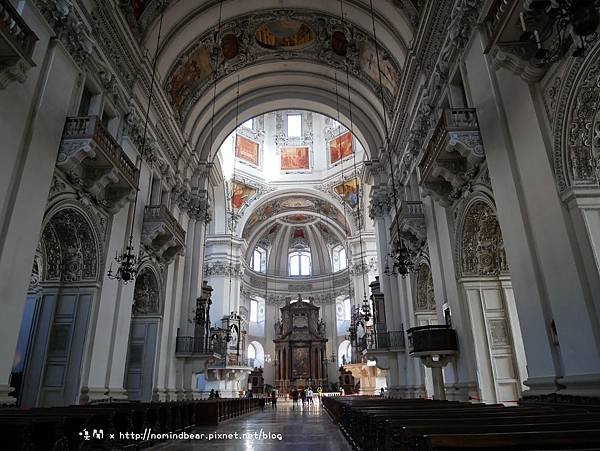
{"x":300,"y":346}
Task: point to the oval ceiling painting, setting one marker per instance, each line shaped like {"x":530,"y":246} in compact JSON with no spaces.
{"x":285,"y":34}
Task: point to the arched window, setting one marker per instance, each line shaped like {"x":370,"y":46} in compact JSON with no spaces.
{"x":251,"y":351}
{"x":253,"y":311}
{"x":345,"y":353}
{"x":259,"y":260}
{"x":299,"y":263}
{"x":338,"y":257}
{"x":347,"y":310}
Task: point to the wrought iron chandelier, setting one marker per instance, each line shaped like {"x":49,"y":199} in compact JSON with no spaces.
{"x":400,"y":254}
{"x":128,"y":262}
{"x":548,"y":24}
{"x":402,"y":260}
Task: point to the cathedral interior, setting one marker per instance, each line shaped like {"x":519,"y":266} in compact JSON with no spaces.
{"x":390,"y":202}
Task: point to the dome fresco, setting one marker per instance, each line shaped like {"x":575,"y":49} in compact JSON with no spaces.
{"x":286,"y":34}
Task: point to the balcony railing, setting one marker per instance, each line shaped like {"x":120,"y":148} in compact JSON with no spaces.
{"x":198,"y":345}
{"x":497,"y":19}
{"x":91,"y":128}
{"x":386,"y":340}
{"x":161,"y":234}
{"x":17,"y":42}
{"x":452,"y":120}
{"x":162,"y":213}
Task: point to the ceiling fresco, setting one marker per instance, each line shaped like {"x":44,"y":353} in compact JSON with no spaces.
{"x":309,"y":206}
{"x":273,"y":36}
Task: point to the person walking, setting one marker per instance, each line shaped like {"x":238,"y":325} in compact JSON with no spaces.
{"x":273,"y":399}
{"x":303,"y":396}
{"x":294,"y":398}
{"x":310,"y":394}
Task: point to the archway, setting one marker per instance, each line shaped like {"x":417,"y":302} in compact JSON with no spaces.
{"x":143,"y":334}
{"x":62,"y":291}
{"x":344,"y":353}
{"x":485,"y":278}
{"x":256,"y":354}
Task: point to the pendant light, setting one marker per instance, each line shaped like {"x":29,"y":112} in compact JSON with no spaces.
{"x":401,"y":256}
{"x":127,"y":262}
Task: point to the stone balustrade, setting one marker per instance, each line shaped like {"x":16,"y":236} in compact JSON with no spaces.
{"x":91,"y":158}
{"x":17,"y":42}
{"x":162,"y":235}
{"x":452,"y":155}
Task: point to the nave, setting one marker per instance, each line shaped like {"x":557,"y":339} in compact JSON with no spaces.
{"x":307,"y":428}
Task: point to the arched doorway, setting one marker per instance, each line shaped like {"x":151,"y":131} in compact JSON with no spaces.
{"x":485,"y":278}
{"x":145,"y":324}
{"x":54,"y":327}
{"x":344,"y":353}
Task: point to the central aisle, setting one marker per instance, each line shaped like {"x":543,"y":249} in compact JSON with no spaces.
{"x":308,"y":429}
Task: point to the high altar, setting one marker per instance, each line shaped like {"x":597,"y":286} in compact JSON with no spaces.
{"x":300,"y":346}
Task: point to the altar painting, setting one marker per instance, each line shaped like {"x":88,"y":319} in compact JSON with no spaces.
{"x":300,"y":363}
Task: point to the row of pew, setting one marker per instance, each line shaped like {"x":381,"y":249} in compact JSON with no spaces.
{"x":371,"y":423}
{"x":89,"y":427}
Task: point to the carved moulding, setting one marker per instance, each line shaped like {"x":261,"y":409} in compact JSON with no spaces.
{"x":479,"y":245}
{"x":69,"y":245}
{"x":577,"y":125}
{"x":425,"y":299}
{"x":195,"y":68}
{"x":147,"y":292}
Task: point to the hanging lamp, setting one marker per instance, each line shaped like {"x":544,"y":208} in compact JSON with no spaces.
{"x":127,"y":262}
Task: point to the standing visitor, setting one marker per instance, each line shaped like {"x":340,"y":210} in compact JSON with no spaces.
{"x":273,"y":399}
{"x":303,"y":396}
{"x":294,"y":398}
{"x":310,"y":394}
{"x":212,"y":394}
{"x":381,"y":392}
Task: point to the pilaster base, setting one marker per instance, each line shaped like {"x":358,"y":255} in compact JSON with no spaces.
{"x":395,"y":392}
{"x":465,"y":391}
{"x":117,"y":394}
{"x":539,"y":386}
{"x":164,"y":395}
{"x":415,"y":391}
{"x":5,"y":398}
{"x":91,"y":394}
{"x":584,"y":385}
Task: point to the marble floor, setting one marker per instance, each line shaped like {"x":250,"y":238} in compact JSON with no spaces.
{"x":308,"y":429}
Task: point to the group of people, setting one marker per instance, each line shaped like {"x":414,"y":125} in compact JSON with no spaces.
{"x":214,"y":394}
{"x":306,"y":395}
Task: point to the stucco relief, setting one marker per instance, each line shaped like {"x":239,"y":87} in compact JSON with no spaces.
{"x":577,"y":129}
{"x":425,"y":296}
{"x":482,"y":247}
{"x":69,"y":248}
{"x":307,"y":35}
{"x":146,"y":293}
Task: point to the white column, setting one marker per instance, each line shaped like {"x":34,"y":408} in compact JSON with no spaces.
{"x":33,"y":116}
{"x":544,"y":259}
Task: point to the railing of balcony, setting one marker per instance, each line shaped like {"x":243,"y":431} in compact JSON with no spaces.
{"x":91,"y":127}
{"x":238,"y":361}
{"x":452,"y":119}
{"x":198,"y":345}
{"x":14,"y":28}
{"x":161,"y":212}
{"x":387,"y":340}
{"x":498,"y":15}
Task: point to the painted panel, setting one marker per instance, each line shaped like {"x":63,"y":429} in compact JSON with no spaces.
{"x":348,"y":191}
{"x":246,"y":150}
{"x":241,"y":194}
{"x":340,"y":147}
{"x":295,"y":158}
